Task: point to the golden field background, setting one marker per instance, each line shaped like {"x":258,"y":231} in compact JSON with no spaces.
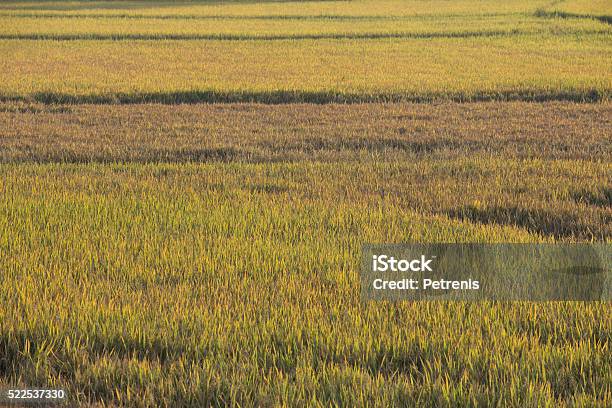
{"x":283,"y":52}
{"x":185,"y":189}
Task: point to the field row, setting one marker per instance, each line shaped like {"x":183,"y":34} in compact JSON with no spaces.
{"x":280,"y":8}
{"x":243,"y":278}
{"x":522,"y":67}
{"x":303,"y":132}
{"x":223,"y":28}
{"x":443,"y":160}
{"x":596,"y":9}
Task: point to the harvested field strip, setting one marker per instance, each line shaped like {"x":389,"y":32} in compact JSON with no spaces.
{"x":303,"y":132}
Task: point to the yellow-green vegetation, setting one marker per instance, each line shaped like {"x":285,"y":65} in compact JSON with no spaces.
{"x":304,"y":27}
{"x":165,"y":254}
{"x":591,"y":9}
{"x":237,"y":283}
{"x":229,"y":273}
{"x":538,"y":67}
{"x":274,"y":8}
{"x":300,"y":52}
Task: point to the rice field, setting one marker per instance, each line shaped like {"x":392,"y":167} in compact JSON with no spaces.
{"x":185,"y":189}
{"x":204,"y":284}
{"x":596,"y":10}
{"x":288,"y":27}
{"x":278,"y":8}
{"x":314,"y":52}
